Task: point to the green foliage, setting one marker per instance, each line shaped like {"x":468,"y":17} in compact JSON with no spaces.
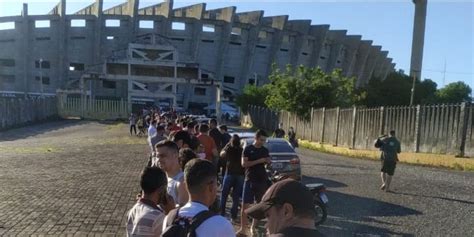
{"x":455,"y":92}
{"x":298,"y":90}
{"x":395,"y":90}
{"x":252,"y":95}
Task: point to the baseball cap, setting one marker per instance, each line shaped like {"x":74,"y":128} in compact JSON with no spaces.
{"x":285,"y":191}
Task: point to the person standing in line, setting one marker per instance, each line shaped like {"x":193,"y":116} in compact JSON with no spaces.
{"x":210,"y":147}
{"x":288,"y":207}
{"x":279,"y":132}
{"x":390,"y":148}
{"x":201,"y":184}
{"x":133,"y":120}
{"x":147,"y":215}
{"x":234,"y":175}
{"x":215,"y":134}
{"x":152,"y":133}
{"x":292,"y":137}
{"x":168,"y":160}
{"x":254,"y":158}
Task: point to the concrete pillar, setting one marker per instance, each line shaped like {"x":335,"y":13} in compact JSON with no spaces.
{"x":360,"y":61}
{"x":352,"y":45}
{"x":63,"y":42}
{"x":25,"y":29}
{"x":299,"y":29}
{"x":337,"y":38}
{"x":278,"y":23}
{"x":370,"y":64}
{"x":319,"y":32}
{"x":418,"y":38}
{"x":387,"y":68}
{"x":378,"y":69}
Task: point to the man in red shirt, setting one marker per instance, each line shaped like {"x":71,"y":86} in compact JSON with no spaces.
{"x":210,"y":147}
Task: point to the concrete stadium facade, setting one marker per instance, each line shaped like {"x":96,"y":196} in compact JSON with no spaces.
{"x":189,"y":56}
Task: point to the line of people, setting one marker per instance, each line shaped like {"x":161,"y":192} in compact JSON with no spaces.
{"x":180,"y":186}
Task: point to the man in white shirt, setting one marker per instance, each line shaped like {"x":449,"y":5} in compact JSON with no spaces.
{"x":146,"y":217}
{"x":152,"y":133}
{"x":168,"y":160}
{"x":201,"y":183}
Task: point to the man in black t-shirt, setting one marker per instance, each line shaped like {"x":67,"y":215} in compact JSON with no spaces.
{"x":254,"y":158}
{"x":289,"y":210}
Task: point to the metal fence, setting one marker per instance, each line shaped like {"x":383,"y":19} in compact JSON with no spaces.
{"x":20,"y":111}
{"x":92,"y":109}
{"x":440,"y":129}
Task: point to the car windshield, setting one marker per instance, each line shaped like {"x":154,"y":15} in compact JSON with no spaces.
{"x":275,"y":146}
{"x":279,"y":147}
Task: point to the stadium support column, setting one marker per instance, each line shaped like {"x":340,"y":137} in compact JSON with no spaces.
{"x":62,"y":56}
{"x":97,"y":52}
{"x":418,"y":38}
{"x":26,"y":48}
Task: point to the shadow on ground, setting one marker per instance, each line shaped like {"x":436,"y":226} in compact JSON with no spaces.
{"x":38,"y":129}
{"x":351,"y":215}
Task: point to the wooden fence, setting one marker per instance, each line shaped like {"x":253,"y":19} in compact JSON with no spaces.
{"x":440,"y":129}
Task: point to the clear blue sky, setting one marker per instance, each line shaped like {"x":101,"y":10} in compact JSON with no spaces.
{"x":389,"y":23}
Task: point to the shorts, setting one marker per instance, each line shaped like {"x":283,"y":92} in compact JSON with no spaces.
{"x":388,"y":167}
{"x":253,"y":191}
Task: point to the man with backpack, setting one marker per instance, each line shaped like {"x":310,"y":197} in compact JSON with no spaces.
{"x":194,"y":218}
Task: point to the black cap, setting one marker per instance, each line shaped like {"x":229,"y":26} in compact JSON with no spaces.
{"x":285,"y":191}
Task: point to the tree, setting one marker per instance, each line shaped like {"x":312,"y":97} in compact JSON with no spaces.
{"x":298,"y":90}
{"x":252,"y":95}
{"x":396,"y":90}
{"x":455,"y":92}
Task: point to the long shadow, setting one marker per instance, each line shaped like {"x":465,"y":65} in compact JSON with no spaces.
{"x":36,"y":129}
{"x":327,"y":182}
{"x":355,"y":207}
{"x":441,"y":198}
{"x":346,"y":212}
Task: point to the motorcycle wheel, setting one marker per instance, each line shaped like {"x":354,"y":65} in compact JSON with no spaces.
{"x":321,"y":213}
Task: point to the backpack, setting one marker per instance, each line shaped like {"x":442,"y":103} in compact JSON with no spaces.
{"x":177,"y":226}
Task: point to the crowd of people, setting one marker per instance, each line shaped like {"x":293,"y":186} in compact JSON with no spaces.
{"x":193,"y":167}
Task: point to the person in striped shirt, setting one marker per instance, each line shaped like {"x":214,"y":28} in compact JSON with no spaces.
{"x":147,"y":215}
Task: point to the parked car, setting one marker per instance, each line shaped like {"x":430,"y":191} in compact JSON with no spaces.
{"x":285,"y":160}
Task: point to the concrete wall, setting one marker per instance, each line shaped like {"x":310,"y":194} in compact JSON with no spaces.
{"x":17,"y":112}
{"x":440,"y":129}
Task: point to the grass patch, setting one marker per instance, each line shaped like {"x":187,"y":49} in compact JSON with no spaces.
{"x":423,"y":159}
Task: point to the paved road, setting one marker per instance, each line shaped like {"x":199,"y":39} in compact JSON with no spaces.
{"x":80,"y":178}
{"x":425,"y":202}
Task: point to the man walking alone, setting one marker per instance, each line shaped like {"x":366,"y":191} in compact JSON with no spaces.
{"x":390,"y":148}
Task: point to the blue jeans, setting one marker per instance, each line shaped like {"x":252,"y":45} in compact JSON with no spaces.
{"x":236,"y":182}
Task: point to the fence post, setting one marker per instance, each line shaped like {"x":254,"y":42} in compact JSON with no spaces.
{"x":463,"y":118}
{"x":382,"y":120}
{"x":354,"y":123}
{"x":311,"y":125}
{"x":417,"y":128}
{"x":324,"y":122}
{"x":338,"y":110}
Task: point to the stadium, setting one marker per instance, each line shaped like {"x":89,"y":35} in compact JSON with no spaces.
{"x":186,"y":57}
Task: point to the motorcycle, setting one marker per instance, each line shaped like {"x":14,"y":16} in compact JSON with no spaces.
{"x":318,"y":190}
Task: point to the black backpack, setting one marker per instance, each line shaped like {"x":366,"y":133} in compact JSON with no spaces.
{"x":177,"y":226}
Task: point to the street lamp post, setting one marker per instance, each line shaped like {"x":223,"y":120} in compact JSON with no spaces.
{"x":412,"y":97}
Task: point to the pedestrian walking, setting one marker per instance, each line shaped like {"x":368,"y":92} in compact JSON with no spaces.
{"x":390,"y":148}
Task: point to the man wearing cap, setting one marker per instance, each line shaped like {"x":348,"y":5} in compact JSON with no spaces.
{"x":287,"y":214}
